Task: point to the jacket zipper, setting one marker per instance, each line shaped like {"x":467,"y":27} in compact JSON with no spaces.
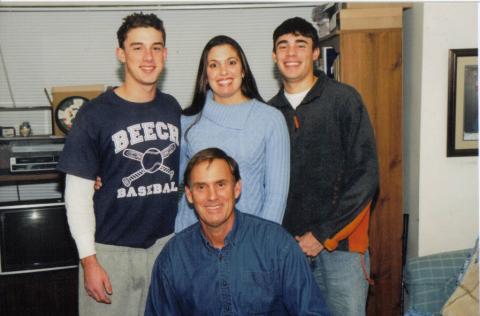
{"x":296,"y":121}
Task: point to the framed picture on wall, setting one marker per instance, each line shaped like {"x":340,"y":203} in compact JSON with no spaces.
{"x":462,"y":125}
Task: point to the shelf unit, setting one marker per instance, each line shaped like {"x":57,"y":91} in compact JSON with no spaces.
{"x":8,"y":178}
{"x":39,"y":293}
{"x":369,"y":42}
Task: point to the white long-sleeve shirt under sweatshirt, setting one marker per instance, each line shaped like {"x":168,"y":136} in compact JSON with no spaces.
{"x":80,"y":214}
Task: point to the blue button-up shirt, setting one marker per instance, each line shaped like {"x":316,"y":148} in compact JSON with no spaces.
{"x":260,"y":270}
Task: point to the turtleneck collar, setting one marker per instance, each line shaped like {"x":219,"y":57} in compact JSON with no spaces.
{"x":231,"y":116}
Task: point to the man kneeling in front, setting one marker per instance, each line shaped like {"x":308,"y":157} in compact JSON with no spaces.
{"x":229,"y":263}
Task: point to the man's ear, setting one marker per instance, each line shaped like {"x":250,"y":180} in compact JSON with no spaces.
{"x":165,"y":53}
{"x":120,"y":55}
{"x":238,"y":188}
{"x":274,"y":57}
{"x":316,"y":54}
{"x":188,"y":194}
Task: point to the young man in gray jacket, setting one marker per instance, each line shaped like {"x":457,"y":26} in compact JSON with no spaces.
{"x":334,"y":169}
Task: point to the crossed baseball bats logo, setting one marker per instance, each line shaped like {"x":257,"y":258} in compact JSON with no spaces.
{"x":158,"y":157}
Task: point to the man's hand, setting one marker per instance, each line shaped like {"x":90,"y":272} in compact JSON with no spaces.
{"x":309,"y":244}
{"x":97,"y":283}
{"x":98,"y":183}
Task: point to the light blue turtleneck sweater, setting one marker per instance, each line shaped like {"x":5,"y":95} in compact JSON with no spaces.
{"x":256,"y":136}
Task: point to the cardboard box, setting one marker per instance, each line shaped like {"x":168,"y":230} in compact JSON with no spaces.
{"x":60,"y":94}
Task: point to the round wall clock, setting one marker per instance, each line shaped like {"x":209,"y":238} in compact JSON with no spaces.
{"x":67,"y":110}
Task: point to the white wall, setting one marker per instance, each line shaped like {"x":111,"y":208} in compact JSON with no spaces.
{"x":413,"y":24}
{"x":441,"y":194}
{"x":52,"y":46}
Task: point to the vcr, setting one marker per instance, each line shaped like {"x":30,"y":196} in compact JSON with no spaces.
{"x":39,"y":162}
{"x":35,"y":155}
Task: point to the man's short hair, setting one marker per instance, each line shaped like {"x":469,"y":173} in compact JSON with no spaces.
{"x":296,"y":26}
{"x":136,"y":20}
{"x":209,"y":155}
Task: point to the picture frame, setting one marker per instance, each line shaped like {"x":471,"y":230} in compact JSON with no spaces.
{"x":462,"y":124}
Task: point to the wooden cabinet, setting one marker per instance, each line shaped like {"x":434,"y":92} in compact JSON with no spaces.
{"x":370,"y":52}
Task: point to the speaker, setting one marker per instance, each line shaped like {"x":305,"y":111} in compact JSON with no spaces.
{"x":66,"y":101}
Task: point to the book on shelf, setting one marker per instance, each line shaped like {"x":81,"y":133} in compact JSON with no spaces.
{"x":336,"y":68}
{"x":329,"y":55}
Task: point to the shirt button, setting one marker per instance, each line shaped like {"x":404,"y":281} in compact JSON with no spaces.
{"x":224,"y":283}
{"x":227,"y":308}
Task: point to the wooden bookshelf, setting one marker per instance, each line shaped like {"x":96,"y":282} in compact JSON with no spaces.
{"x":376,"y":5}
{"x":372,"y":18}
{"x":369,"y":42}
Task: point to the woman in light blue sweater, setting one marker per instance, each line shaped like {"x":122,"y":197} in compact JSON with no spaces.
{"x":228,"y":112}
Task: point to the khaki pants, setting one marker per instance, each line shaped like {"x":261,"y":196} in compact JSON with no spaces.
{"x":129,"y":270}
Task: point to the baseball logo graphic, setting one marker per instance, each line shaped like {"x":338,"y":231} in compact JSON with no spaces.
{"x":151,"y":161}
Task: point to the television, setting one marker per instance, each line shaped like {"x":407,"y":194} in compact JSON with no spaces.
{"x":34,"y":237}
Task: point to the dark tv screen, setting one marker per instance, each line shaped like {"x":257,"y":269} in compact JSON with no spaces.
{"x":36,"y":236}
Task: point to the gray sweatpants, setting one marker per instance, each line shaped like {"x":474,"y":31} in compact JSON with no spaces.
{"x":129,"y":270}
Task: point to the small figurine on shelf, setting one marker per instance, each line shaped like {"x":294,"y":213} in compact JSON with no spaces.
{"x":25,"y":129}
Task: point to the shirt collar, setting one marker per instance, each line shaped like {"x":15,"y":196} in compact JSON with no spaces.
{"x":315,"y":92}
{"x":230,"y":116}
{"x":231,"y":238}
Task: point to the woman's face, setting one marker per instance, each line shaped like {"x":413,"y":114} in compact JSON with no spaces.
{"x":225,"y":74}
